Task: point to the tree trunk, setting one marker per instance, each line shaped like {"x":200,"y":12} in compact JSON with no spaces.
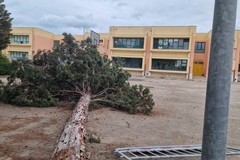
{"x":71,"y":145}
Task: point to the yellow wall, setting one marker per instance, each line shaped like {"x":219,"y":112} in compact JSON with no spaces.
{"x":21,"y":47}
{"x":147,"y":53}
{"x":173,"y":31}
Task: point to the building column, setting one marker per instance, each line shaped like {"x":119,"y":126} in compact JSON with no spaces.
{"x":191,"y":59}
{"x":147,"y":56}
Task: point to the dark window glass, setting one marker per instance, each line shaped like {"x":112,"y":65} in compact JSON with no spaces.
{"x":239,"y":68}
{"x":180,"y":44}
{"x":129,"y":62}
{"x":170,"y":43}
{"x":169,"y":64}
{"x":175,"y":44}
{"x":128,"y":43}
{"x":200,"y":47}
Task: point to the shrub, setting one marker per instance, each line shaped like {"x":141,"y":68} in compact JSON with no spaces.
{"x":94,"y":139}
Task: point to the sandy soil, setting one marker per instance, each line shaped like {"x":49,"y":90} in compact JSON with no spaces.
{"x":30,"y":133}
{"x":177,"y":118}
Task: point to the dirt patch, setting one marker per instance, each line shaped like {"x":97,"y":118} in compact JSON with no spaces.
{"x":177,"y":119}
{"x":30,"y":133}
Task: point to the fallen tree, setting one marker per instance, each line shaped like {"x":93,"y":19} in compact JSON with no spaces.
{"x":71,"y":144}
{"x":74,"y":73}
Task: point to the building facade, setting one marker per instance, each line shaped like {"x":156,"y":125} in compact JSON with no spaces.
{"x":164,"y":51}
{"x":156,"y":51}
{"x":26,"y":41}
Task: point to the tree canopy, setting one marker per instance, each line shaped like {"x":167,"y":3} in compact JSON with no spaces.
{"x":5,"y":65}
{"x":5,"y":26}
{"x":70,"y":71}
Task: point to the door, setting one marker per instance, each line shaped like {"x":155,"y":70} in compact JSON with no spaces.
{"x":198,"y":69}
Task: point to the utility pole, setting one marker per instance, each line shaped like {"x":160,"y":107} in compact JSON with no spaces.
{"x":219,"y":81}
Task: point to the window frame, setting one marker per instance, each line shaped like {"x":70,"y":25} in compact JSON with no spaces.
{"x":121,"y":59}
{"x":171,"y":43}
{"x":128,"y":42}
{"x":180,"y":65}
{"x":19,"y":39}
{"x":18,"y":55}
{"x":199,"y":47}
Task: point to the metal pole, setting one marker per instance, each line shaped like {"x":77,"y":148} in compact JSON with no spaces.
{"x":219,"y":81}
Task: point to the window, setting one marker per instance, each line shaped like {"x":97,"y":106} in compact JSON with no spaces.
{"x":128,"y":43}
{"x":100,"y":41}
{"x":19,"y":39}
{"x":171,"y":43}
{"x":239,"y":68}
{"x":18,"y":55}
{"x":200,"y":47}
{"x":129,"y":62}
{"x":169,"y":64}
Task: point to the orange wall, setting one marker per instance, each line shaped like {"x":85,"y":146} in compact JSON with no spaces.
{"x":202,"y":57}
{"x":103,"y":48}
{"x":42,"y":43}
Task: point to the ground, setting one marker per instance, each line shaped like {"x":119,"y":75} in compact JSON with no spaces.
{"x":177,"y":119}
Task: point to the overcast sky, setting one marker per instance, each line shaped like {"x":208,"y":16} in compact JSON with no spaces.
{"x":73,"y":15}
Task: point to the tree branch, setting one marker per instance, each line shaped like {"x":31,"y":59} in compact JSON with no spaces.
{"x":101,"y":93}
{"x":69,"y":91}
{"x":76,"y":87}
{"x":100,"y":100}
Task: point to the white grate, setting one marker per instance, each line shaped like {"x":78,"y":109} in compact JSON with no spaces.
{"x":158,"y":152}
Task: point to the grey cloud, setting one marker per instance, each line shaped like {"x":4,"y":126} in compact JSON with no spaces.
{"x":121,"y":4}
{"x":117,"y":17}
{"x":137,"y":15}
{"x":74,"y":21}
{"x":72,"y":15}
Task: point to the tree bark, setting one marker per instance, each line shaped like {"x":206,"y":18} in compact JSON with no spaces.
{"x":71,"y":145}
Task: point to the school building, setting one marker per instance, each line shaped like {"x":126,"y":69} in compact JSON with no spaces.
{"x":156,"y":51}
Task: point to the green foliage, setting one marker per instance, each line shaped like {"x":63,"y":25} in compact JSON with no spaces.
{"x":5,"y":26}
{"x":28,"y":86}
{"x":82,"y":68}
{"x":1,"y":89}
{"x":70,"y":71}
{"x":5,"y":65}
{"x":133,"y":99}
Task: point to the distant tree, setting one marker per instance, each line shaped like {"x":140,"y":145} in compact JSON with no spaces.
{"x":77,"y":73}
{"x":5,"y":65}
{"x":5,"y":26}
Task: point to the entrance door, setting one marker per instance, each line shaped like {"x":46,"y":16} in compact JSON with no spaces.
{"x":198,"y":69}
